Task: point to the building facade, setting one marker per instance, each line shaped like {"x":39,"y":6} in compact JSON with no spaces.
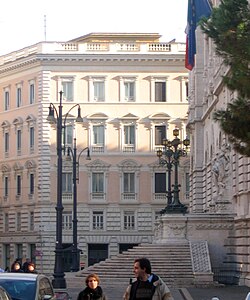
{"x":132,"y":91}
{"x":219,"y":176}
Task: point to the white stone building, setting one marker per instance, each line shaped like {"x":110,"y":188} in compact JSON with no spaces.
{"x":132,"y":90}
{"x":220,"y":177}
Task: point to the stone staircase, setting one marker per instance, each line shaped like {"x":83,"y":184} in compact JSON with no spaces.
{"x":172,"y":262}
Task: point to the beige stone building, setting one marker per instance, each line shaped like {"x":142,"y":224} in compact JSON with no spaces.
{"x":220,"y":177}
{"x":132,"y":91}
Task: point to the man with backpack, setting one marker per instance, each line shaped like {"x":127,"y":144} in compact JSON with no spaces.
{"x":147,"y":286}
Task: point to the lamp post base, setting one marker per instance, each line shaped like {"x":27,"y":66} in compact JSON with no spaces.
{"x":174,"y":209}
{"x":59,"y":282}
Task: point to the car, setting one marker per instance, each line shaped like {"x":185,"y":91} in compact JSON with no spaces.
{"x":4,"y":294}
{"x":26,"y":286}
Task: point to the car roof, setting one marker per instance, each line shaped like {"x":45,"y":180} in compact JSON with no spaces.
{"x":20,"y":276}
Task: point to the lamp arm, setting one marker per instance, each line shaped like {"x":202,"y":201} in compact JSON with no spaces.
{"x":65,"y":118}
{"x":87,"y":148}
{"x":57,"y":115}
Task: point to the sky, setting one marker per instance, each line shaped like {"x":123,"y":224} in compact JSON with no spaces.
{"x":22,"y":22}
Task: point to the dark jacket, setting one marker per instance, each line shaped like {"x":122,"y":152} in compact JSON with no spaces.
{"x":89,"y":294}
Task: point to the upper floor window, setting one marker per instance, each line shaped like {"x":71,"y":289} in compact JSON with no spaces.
{"x":160,"y":134}
{"x":31,"y":184}
{"x":6,"y":186}
{"x":129,"y":138}
{"x":98,"y":138}
{"x":99,"y":91}
{"x":160,"y":91}
{"x":31,"y":92}
{"x":129,"y":182}
{"x":18,"y":96}
{"x":6,"y":142}
{"x":18,"y":221}
{"x":98,"y":182}
{"x":129,"y":87}
{"x":98,"y":220}
{"x":31,"y":221}
{"x":6,"y":100}
{"x":67,"y":182}
{"x":67,"y":88}
{"x":6,"y":222}
{"x":32,"y":138}
{"x":18,"y":185}
{"x":19,"y":141}
{"x":67,"y":136}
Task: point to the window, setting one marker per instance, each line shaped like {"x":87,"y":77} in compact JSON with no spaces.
{"x":129,"y":182}
{"x":98,"y":220}
{"x":98,"y":138}
{"x":187,"y":181}
{"x":99,"y":90}
{"x":67,"y":136}
{"x":32,"y":138}
{"x":6,"y":142}
{"x":67,"y":88}
{"x":31,"y":220}
{"x":19,"y":250}
{"x":129,"y":138}
{"x":32,"y":93}
{"x":67,"y":220}
{"x":160,"y":91}
{"x":129,"y":87}
{"x":97,"y":182}
{"x":18,"y":185}
{"x":6,"y":100}
{"x":160,"y":183}
{"x":6,"y":222}
{"x":32,"y":184}
{"x":6,"y":186}
{"x":129,"y":220}
{"x":18,"y":97}
{"x":67,"y":182}
{"x":19,"y":141}
{"x":18,"y":223}
{"x":160,"y":134}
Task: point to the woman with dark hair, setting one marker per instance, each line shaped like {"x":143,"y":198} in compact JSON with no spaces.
{"x":92,"y":291}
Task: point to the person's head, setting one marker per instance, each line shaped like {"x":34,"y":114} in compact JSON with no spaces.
{"x":31,"y":267}
{"x":142,"y":268}
{"x":17,"y":266}
{"x":92,"y":281}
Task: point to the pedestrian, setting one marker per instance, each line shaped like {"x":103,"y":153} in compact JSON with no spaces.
{"x":147,"y":285}
{"x":16,"y":267}
{"x":93,"y":291}
{"x":25,"y":265}
{"x":31,"y":268}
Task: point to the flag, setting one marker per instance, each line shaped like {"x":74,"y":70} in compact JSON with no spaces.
{"x":196,"y":10}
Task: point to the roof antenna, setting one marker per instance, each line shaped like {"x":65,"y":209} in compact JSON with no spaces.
{"x":45,"y":28}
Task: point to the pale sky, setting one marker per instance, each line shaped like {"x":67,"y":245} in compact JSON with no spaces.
{"x":22,"y":21}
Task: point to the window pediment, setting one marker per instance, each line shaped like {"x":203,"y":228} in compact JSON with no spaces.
{"x":129,"y":165}
{"x":98,"y":166}
{"x":5,"y":168}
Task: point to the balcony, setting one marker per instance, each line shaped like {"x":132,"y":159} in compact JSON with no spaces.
{"x":129,"y":197}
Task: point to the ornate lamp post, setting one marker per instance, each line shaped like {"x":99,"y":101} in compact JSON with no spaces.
{"x":59,"y":280}
{"x":170,"y":157}
{"x":76,"y":158}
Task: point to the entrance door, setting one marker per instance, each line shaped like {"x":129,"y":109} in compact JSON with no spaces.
{"x":96,"y":253}
{"x":67,"y":257}
{"x":125,"y":247}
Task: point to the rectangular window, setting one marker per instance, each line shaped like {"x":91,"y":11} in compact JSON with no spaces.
{"x":67,"y":136}
{"x":32,"y":184}
{"x":18,"y":223}
{"x":6,"y":186}
{"x":98,"y":182}
{"x":32,"y":138}
{"x":19,"y":250}
{"x":160,"y":134}
{"x":129,"y":91}
{"x":99,"y":91}
{"x":98,"y":135}
{"x":6,"y":142}
{"x":18,"y":97}
{"x":6,"y":100}
{"x":129,"y":220}
{"x":67,"y":88}
{"x":19,"y":140}
{"x":67,"y":183}
{"x":67,"y":220}
{"x":160,"y":183}
{"x":98,"y":220}
{"x":129,"y":134}
{"x":18,"y":185}
{"x":129,"y":182}
{"x":32,"y":93}
{"x":160,"y":91}
{"x":6,"y":222}
{"x":31,"y":220}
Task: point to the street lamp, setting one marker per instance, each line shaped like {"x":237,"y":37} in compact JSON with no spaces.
{"x":59,"y":281}
{"x":73,"y":153}
{"x":172,"y":153}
